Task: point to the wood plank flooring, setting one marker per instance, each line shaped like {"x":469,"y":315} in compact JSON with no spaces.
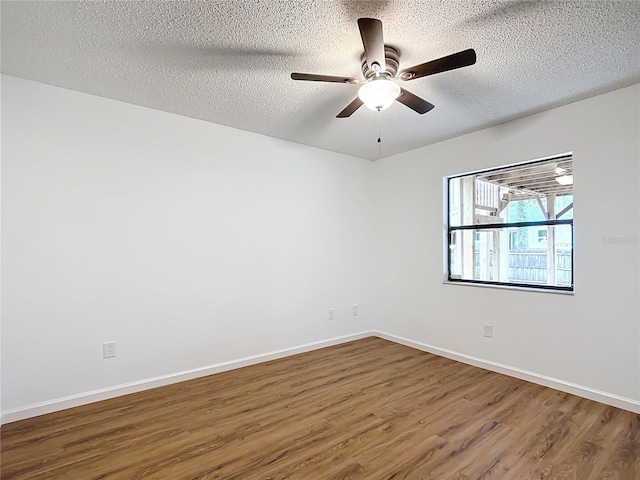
{"x":369,"y":409}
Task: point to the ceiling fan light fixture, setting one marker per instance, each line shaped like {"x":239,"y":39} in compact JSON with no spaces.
{"x":565,"y":180}
{"x":380,"y":70}
{"x":379,"y":94}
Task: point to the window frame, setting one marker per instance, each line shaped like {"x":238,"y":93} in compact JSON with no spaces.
{"x":449,"y":229}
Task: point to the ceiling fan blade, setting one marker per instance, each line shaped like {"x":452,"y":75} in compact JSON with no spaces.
{"x":444,"y":64}
{"x":323,"y":78}
{"x":414,"y":102}
{"x":349,"y":109}
{"x":373,"y":42}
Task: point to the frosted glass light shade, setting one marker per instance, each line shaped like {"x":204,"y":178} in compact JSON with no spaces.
{"x":379,"y":94}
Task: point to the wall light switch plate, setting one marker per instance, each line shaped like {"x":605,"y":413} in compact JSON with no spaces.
{"x":488,"y":330}
{"x":331,"y":314}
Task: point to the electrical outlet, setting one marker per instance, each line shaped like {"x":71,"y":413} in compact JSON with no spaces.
{"x":354,"y":310}
{"x":108,"y":349}
{"x":488,"y":330}
{"x":331,"y":314}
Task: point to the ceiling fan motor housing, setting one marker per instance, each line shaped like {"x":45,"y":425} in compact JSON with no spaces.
{"x":392,"y":61}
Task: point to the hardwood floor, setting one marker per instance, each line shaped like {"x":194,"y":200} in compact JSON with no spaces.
{"x":369,"y":409}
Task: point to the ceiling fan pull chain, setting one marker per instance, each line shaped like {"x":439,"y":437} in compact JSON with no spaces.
{"x":380,"y":133}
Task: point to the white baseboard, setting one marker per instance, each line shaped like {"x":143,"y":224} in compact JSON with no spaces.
{"x":146,"y":384}
{"x":77,"y":400}
{"x":568,"y":387}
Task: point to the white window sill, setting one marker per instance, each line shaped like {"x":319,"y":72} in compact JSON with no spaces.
{"x":510,"y":287}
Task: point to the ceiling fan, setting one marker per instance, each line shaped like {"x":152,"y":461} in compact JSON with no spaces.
{"x":380,"y":65}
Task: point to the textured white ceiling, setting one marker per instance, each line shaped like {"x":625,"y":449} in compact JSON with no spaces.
{"x":229,"y":62}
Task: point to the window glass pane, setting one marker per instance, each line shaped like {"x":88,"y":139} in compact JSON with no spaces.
{"x":564,"y":204}
{"x":455,"y":201}
{"x":526,"y":211}
{"x":525,"y":255}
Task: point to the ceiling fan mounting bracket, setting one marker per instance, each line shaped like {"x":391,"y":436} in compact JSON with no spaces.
{"x":392,"y":62}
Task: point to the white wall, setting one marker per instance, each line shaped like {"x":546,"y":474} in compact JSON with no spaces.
{"x":0,"y":258}
{"x":191,"y":244}
{"x":592,"y":338}
{"x":186,"y":243}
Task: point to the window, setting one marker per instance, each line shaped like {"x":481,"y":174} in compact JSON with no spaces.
{"x":513,"y":226}
{"x":542,"y":235}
